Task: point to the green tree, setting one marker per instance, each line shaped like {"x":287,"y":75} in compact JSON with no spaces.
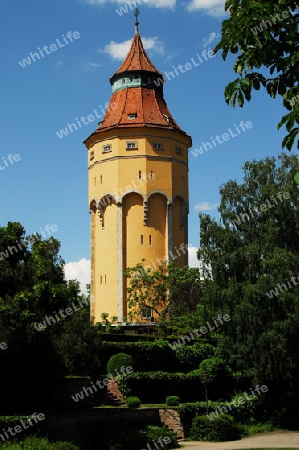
{"x":33,"y":287}
{"x":170,"y":291}
{"x":251,"y":264}
{"x":263,"y":37}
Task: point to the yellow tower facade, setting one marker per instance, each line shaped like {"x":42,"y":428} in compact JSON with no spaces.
{"x":137,"y":184}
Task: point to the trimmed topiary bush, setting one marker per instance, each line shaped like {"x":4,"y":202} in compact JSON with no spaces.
{"x":119,"y":361}
{"x":133,"y":402}
{"x":172,"y":400}
{"x":218,"y":429}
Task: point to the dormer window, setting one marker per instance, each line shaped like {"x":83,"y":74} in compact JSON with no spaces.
{"x":123,"y":81}
{"x":169,"y":119}
{"x":132,"y":116}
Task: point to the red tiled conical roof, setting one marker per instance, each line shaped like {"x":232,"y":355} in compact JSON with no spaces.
{"x":137,"y":58}
{"x":142,"y":105}
{"x":149,"y":108}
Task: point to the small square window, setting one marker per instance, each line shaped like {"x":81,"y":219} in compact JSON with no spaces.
{"x":131,"y":145}
{"x":132,"y":116}
{"x":91,"y":155}
{"x":157,"y":146}
{"x":107,"y":148}
{"x":146,"y":312}
{"x":179,"y":151}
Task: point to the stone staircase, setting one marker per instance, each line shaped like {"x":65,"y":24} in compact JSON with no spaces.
{"x":113,"y":396}
{"x":171,"y":419}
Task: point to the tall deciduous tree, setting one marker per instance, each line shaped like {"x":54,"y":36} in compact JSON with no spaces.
{"x":251,"y":264}
{"x":264,"y":35}
{"x":32,"y":288}
{"x":170,"y":290}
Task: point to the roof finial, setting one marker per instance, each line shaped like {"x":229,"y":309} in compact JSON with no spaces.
{"x":136,"y":14}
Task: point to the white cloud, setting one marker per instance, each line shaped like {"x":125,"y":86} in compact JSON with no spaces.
{"x":80,"y":271}
{"x":205,"y":206}
{"x":210,"y":39}
{"x":211,"y":7}
{"x":119,"y":50}
{"x":192,"y":257}
{"x":91,"y":67}
{"x":154,"y":3}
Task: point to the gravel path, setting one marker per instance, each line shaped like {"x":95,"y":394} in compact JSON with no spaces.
{"x":276,"y":439}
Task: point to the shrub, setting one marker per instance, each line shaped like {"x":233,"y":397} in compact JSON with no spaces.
{"x":153,"y":433}
{"x":117,"y":361}
{"x":220,"y":429}
{"x":172,"y":400}
{"x":188,"y":411}
{"x":133,"y":402}
{"x":36,"y":443}
{"x":190,"y":356}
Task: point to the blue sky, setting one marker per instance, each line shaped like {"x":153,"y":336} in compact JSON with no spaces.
{"x":48,"y":184}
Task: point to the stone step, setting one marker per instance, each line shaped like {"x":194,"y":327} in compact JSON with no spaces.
{"x":171,"y":419}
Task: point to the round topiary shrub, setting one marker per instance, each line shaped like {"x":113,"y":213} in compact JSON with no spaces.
{"x":133,"y":402}
{"x":172,"y":400}
{"x":119,"y":363}
{"x":217,"y":429}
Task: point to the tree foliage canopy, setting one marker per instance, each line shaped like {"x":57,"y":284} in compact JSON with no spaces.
{"x":263,"y":37}
{"x":32,"y":288}
{"x":250,"y":259}
{"x":169,"y":290}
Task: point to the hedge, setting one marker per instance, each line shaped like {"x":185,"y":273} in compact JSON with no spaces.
{"x":153,"y":387}
{"x":158,"y":355}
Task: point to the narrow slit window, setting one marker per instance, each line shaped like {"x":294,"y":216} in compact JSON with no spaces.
{"x":101,"y":279}
{"x":105,"y":278}
{"x":150,"y":239}
{"x":95,"y":181}
{"x":152,"y":175}
{"x":141,"y":239}
{"x":101,"y":179}
{"x":139,"y":174}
